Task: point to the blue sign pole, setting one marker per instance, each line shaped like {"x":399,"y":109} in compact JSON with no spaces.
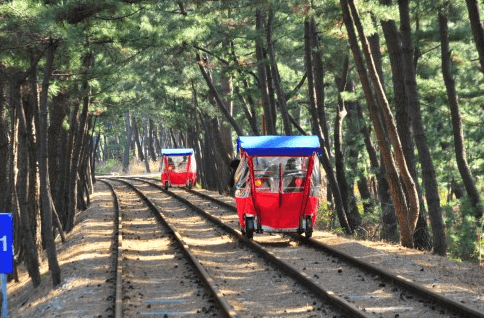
{"x":6,"y":255}
{"x":3,"y":278}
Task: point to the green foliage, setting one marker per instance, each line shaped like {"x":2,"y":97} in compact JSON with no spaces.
{"x":110,"y":166}
{"x":325,"y":218}
{"x":462,"y":231}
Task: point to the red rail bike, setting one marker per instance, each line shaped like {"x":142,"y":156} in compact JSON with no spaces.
{"x":178,"y":168}
{"x":277,"y":183}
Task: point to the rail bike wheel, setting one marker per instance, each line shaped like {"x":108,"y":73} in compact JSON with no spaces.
{"x":166,"y":185}
{"x":249,"y":227}
{"x":189,"y":185}
{"x":309,"y":227}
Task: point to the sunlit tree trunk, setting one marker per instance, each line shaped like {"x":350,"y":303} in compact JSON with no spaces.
{"x":145,"y":144}
{"x":30,"y":105}
{"x":460,"y":152}
{"x":412,"y":209}
{"x":406,"y":214}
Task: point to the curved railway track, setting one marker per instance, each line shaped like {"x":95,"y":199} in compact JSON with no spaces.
{"x":249,"y":283}
{"x":380,"y":292}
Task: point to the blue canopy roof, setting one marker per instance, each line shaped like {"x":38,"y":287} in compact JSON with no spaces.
{"x":177,"y":152}
{"x":279,"y":145}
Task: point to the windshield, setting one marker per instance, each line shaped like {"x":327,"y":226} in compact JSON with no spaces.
{"x":176,"y":163}
{"x":269,"y":170}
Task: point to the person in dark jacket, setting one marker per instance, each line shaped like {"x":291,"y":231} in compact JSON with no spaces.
{"x":233,"y":167}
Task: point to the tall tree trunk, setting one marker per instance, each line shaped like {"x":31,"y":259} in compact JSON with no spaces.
{"x":4,"y":144}
{"x":318,"y":78}
{"x":355,"y":126}
{"x":145,"y":143}
{"x":127,"y":145}
{"x":406,"y":226}
{"x":62,"y":199}
{"x":11,"y":197}
{"x":460,"y":152}
{"x":247,"y":106}
{"x":211,"y":151}
{"x":270,"y":125}
{"x":141,"y":156}
{"x":349,"y":201}
{"x":196,"y":143}
{"x":155,"y":144}
{"x":83,"y":181}
{"x":225,"y":131}
{"x":79,"y":139}
{"x":411,"y":192}
{"x":389,"y":219}
{"x":95,"y":156}
{"x":428,"y":171}
{"x":477,"y":29}
{"x":281,"y":97}
{"x":31,"y":108}
{"x":27,"y":239}
{"x":249,"y":112}
{"x":56,"y":145}
{"x":151,"y":141}
{"x":421,"y":235}
{"x":325,"y":161}
{"x":173,"y":139}
{"x":218,"y":99}
{"x":45,"y":194}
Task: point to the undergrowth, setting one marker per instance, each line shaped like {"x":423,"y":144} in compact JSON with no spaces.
{"x":136,"y":166}
{"x":464,"y":235}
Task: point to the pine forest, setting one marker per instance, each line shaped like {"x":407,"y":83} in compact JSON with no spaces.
{"x":393,"y":89}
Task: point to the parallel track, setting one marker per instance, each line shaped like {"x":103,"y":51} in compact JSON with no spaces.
{"x":405,"y":286}
{"x":124,"y":284}
{"x":300,"y":277}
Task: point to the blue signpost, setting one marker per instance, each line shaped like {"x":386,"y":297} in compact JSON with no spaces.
{"x":6,"y":255}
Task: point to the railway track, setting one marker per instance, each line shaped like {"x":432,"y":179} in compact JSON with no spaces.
{"x":379,"y":293}
{"x":156,"y":274}
{"x":252,"y":286}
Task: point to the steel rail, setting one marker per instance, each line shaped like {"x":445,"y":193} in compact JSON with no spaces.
{"x":301,"y":278}
{"x":402,"y":281}
{"x":224,"y":304}
{"x":118,"y":302}
{"x":398,"y":280}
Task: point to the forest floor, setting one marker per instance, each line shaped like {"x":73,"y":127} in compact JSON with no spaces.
{"x":86,"y":264}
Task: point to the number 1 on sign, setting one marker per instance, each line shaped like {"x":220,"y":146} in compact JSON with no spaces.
{"x":4,"y":240}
